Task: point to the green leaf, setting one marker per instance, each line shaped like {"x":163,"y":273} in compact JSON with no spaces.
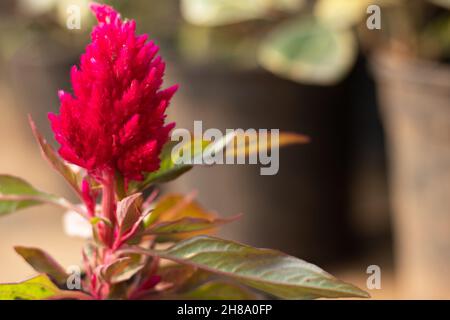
{"x":174,"y":165}
{"x":120,"y":270}
{"x":246,"y":143}
{"x":186,"y":225}
{"x":55,"y":160}
{"x":309,"y":52}
{"x":167,"y":171}
{"x":173,"y":207}
{"x":37,"y":288}
{"x":176,"y":274}
{"x":224,"y":12}
{"x":170,"y":168}
{"x":16,"y":194}
{"x":42,"y":262}
{"x":128,"y":212}
{"x":96,"y":220}
{"x":219,"y":290}
{"x":267,"y":270}
{"x":175,"y":214}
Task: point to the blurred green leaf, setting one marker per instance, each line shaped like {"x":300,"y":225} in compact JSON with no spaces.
{"x":37,"y":288}
{"x":42,"y":262}
{"x":267,"y":270}
{"x":223,"y":12}
{"x":168,"y":170}
{"x":442,"y":3}
{"x":232,"y":45}
{"x":96,"y":220}
{"x":342,"y":13}
{"x":435,"y":38}
{"x":173,"y":165}
{"x":309,"y":52}
{"x":219,"y":290}
{"x":16,"y":194}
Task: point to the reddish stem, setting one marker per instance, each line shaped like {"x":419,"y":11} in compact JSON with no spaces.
{"x":113,"y":240}
{"x":108,"y":208}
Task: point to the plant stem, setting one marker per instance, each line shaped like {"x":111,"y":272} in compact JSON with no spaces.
{"x":108,"y":207}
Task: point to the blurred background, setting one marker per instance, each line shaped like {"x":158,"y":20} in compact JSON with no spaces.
{"x":372,"y":187}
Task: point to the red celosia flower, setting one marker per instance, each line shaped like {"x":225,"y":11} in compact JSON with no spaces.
{"x":115,"y":118}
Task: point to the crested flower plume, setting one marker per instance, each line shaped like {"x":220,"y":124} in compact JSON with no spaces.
{"x":115,"y":119}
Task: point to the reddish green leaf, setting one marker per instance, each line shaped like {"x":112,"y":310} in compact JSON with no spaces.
{"x":173,"y":213}
{"x":42,"y":262}
{"x":55,"y":160}
{"x":120,"y":270}
{"x":177,"y":275}
{"x":16,"y":194}
{"x":267,"y":270}
{"x":129,"y":212}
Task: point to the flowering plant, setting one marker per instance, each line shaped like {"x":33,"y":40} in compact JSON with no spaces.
{"x":143,"y":247}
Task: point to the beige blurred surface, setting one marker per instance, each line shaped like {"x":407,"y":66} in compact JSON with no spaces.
{"x":40,"y":226}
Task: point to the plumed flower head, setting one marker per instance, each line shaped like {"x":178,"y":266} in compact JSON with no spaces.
{"x":115,"y":119}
